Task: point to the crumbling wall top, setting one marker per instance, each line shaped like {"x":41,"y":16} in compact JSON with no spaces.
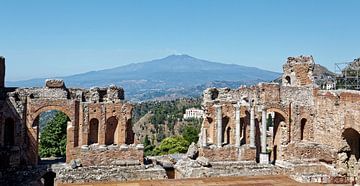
{"x":54,"y":83}
{"x":300,"y":59}
{"x":298,"y":71}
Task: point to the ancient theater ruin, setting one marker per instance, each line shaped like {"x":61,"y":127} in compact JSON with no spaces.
{"x":99,"y":132}
{"x":290,"y":128}
{"x":309,"y":133}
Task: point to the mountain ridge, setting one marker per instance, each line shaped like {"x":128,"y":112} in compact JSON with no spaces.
{"x":177,"y":72}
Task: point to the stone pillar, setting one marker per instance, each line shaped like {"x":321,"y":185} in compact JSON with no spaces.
{"x":69,"y":141}
{"x":237,"y":122}
{"x":264,"y":156}
{"x":219,"y":124}
{"x":204,"y":137}
{"x":252,"y":126}
{"x":2,"y":72}
{"x":102,"y":126}
{"x":263,"y":131}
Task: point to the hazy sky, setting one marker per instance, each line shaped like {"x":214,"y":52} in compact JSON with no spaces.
{"x":52,"y":38}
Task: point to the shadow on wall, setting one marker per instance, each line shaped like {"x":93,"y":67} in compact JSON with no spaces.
{"x":352,"y":138}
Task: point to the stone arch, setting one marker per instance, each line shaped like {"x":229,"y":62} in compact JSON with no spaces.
{"x":352,"y":138}
{"x":65,"y":110}
{"x":110,"y":132}
{"x":9,"y":132}
{"x":93,"y":131}
{"x":302,"y":128}
{"x":281,"y":112}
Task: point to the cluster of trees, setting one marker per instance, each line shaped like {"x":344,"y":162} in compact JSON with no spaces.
{"x":53,"y":136}
{"x":175,"y":144}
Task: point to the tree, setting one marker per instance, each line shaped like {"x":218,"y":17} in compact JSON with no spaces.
{"x":148,"y":147}
{"x":172,"y":145}
{"x":191,"y":133}
{"x":53,"y":137}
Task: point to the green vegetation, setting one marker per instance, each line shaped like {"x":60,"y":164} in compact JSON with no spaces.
{"x":53,"y":136}
{"x":148,"y":147}
{"x":191,"y":131}
{"x":172,"y":145}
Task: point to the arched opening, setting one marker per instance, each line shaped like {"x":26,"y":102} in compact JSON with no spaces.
{"x":228,"y":131}
{"x":93,"y":131}
{"x":275,"y":118}
{"x":9,"y":132}
{"x":130,"y":136}
{"x":288,"y":80}
{"x":111,"y":125}
{"x":50,"y":128}
{"x":225,"y":138}
{"x":302,"y":128}
{"x":352,"y":138}
{"x":276,"y":123}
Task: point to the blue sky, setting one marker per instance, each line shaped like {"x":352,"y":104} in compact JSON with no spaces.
{"x":54,"y":38}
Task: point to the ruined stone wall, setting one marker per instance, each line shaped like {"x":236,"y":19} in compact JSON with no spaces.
{"x":335,"y":112}
{"x":228,"y":153}
{"x":268,"y":94}
{"x":103,"y":112}
{"x":304,"y":113}
{"x":24,"y":106}
{"x":306,"y":151}
{"x":121,"y":155}
{"x":13,"y":137}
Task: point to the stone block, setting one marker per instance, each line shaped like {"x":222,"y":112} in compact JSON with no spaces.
{"x":54,"y":83}
{"x":264,"y":158}
{"x":124,"y":147}
{"x":140,"y":146}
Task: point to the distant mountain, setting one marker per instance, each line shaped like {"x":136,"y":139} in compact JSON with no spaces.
{"x":174,"y":73}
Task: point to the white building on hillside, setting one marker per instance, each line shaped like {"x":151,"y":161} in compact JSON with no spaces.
{"x":193,"y":113}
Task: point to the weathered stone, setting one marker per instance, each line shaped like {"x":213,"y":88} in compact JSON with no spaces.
{"x":75,"y":163}
{"x":140,"y":146}
{"x":54,"y":83}
{"x":203,"y":161}
{"x":193,"y":151}
{"x":124,"y":147}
